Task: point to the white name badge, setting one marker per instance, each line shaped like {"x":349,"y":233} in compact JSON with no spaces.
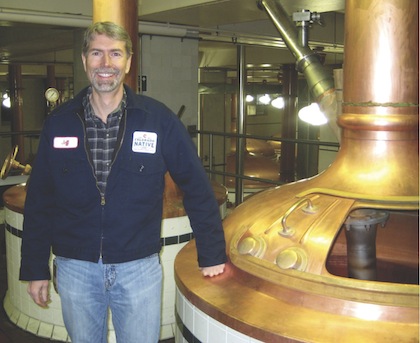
{"x":144,"y":142}
{"x":65,"y":142}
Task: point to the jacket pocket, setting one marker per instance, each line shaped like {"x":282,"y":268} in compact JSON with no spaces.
{"x":72,"y":180}
{"x":142,"y":177}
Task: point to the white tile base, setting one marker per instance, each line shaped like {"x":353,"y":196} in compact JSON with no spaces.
{"x":203,"y":327}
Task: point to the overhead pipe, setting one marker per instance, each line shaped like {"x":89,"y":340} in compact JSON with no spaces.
{"x":320,"y":81}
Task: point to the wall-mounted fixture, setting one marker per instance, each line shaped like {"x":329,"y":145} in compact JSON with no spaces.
{"x":312,"y":114}
{"x":278,"y":102}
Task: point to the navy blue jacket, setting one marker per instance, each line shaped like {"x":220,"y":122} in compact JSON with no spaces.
{"x":64,"y":209}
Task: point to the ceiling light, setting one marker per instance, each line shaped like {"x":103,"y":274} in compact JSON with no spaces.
{"x":264,"y":99}
{"x":249,"y":98}
{"x":6,"y":101}
{"x":312,"y":115}
{"x":278,"y":102}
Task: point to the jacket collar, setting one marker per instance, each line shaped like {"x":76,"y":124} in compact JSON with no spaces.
{"x":133,"y":100}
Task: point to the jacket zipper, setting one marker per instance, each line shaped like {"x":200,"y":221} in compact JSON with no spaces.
{"x":103,"y":201}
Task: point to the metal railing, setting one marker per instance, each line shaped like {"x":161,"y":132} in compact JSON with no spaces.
{"x":211,"y":166}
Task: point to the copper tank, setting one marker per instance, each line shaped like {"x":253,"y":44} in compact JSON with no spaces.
{"x":336,"y":257}
{"x":259,"y":159}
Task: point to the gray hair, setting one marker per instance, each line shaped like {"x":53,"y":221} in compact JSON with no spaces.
{"x":110,"y":30}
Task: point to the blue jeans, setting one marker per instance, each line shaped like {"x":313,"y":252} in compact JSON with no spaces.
{"x":132,"y":291}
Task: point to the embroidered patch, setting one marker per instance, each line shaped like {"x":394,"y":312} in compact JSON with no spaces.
{"x":144,"y":142}
{"x":66,"y":142}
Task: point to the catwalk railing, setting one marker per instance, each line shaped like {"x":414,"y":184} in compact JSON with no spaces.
{"x":217,"y":166}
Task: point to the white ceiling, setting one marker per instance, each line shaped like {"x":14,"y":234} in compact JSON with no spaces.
{"x":225,"y":12}
{"x":36,"y":34}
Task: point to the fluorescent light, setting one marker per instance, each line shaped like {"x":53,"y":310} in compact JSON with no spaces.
{"x":312,"y":115}
{"x":278,"y":102}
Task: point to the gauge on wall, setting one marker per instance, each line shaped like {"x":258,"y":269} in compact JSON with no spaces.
{"x":52,"y":95}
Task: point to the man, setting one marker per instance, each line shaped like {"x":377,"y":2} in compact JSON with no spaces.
{"x":95,"y":198}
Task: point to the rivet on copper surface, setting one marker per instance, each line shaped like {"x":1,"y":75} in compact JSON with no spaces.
{"x":254,"y":246}
{"x":292,"y":258}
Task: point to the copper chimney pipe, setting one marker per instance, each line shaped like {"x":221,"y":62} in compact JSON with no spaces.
{"x":124,"y":13}
{"x":380,"y":100}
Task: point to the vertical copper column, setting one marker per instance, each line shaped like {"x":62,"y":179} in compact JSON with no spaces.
{"x":381,"y":72}
{"x":287,"y":158}
{"x":124,"y":13}
{"x":15,"y":84}
{"x":379,"y":149}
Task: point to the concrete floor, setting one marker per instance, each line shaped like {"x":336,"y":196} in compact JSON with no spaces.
{"x":10,"y":333}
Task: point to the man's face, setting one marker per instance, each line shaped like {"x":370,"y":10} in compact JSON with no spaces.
{"x":106,"y":63}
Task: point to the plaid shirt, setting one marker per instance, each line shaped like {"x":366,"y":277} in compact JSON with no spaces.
{"x":102,"y":138}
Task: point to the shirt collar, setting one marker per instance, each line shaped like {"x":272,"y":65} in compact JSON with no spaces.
{"x":90,"y":113}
